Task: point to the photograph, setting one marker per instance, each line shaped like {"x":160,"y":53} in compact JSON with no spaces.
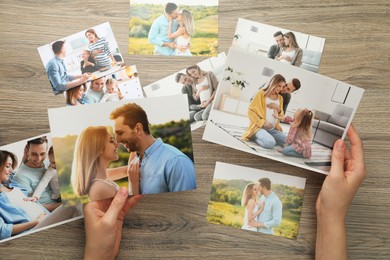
{"x":256,"y":200}
{"x":280,"y":112}
{"x":30,"y":198}
{"x":291,"y":47}
{"x":122,"y":84}
{"x":81,"y":57}
{"x":143,"y":144}
{"x":199,"y":82}
{"x":173,"y":28}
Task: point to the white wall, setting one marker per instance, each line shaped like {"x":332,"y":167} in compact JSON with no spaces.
{"x":315,"y":93}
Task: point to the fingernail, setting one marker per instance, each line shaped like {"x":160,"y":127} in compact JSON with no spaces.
{"x":340,"y":145}
{"x":123,"y":192}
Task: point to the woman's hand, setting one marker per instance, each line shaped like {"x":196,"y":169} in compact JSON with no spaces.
{"x":97,"y":51}
{"x":267,"y":125}
{"x":346,"y":175}
{"x":41,"y":216}
{"x":134,"y":173}
{"x":103,"y":224}
{"x":33,"y":199}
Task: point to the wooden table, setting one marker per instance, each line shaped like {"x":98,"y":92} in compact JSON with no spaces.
{"x":173,"y":225}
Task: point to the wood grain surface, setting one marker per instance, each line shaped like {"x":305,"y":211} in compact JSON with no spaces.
{"x":173,"y":225}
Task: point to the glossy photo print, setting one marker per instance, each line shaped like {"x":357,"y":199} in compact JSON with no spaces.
{"x":281,"y":112}
{"x":30,"y":198}
{"x":284,"y":45}
{"x":173,"y":28}
{"x":255,"y":200}
{"x":81,"y":57}
{"x":122,"y":84}
{"x":142,"y":144}
{"x":198,"y":82}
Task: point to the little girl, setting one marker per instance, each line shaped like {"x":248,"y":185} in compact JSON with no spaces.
{"x":298,"y":141}
{"x":112,"y":91}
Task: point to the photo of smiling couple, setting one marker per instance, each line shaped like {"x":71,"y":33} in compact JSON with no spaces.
{"x":147,"y":165}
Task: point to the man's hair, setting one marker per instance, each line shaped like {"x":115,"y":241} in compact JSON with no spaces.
{"x":265,"y":182}
{"x":39,"y":140}
{"x":132,"y":115}
{"x":296,"y":83}
{"x":278,"y":33}
{"x":57,"y":46}
{"x":178,"y":76}
{"x":170,"y":7}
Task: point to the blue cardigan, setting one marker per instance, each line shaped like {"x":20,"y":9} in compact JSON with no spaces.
{"x":9,"y":214}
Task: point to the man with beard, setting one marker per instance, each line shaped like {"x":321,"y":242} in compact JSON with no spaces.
{"x":32,"y":170}
{"x":163,"y":167}
{"x":158,"y":34}
{"x":189,"y":89}
{"x":275,"y":49}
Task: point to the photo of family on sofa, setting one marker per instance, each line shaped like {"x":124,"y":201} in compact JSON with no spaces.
{"x":198,"y":82}
{"x":29,"y":189}
{"x":295,"y":48}
{"x":178,"y":28}
{"x":129,"y":144}
{"x":81,"y":57}
{"x":256,"y":200}
{"x":294,"y":116}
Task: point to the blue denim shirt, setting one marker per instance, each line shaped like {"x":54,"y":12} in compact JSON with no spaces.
{"x":272,"y":214}
{"x":166,"y":169}
{"x":158,"y":34}
{"x":56,"y":72}
{"x":10,"y":215}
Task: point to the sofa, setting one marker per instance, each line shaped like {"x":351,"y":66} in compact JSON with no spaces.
{"x":327,"y":128}
{"x":311,"y":60}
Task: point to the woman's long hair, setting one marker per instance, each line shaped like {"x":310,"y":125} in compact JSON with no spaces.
{"x":274,"y":82}
{"x":188,"y":21}
{"x":70,"y":94}
{"x":91,"y":31}
{"x":303,"y":121}
{"x":86,"y":159}
{"x":293,"y":40}
{"x":247,"y":194}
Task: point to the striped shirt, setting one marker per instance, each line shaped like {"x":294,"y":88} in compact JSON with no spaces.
{"x":102,"y":59}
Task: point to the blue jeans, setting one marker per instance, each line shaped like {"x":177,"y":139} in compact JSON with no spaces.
{"x":269,"y":138}
{"x":290,"y":151}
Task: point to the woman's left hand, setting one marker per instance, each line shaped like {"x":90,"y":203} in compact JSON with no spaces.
{"x":103,"y":224}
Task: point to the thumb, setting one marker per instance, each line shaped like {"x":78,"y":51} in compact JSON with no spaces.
{"x":338,"y":156}
{"x":116,"y":205}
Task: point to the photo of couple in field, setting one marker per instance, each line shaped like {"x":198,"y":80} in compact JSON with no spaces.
{"x":256,"y":200}
{"x":173,"y":28}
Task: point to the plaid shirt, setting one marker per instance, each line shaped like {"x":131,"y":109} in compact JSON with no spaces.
{"x":302,"y":146}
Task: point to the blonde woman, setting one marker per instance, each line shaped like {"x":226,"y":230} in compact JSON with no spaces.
{"x":183,"y":34}
{"x":290,"y":53}
{"x":253,"y":208}
{"x":264,"y":128}
{"x":95,"y":149}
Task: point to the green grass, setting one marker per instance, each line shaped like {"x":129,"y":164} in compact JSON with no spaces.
{"x":233,"y":216}
{"x":206,"y":27}
{"x":199,"y":46}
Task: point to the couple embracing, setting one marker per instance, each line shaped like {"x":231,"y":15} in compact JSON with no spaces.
{"x":171,"y":32}
{"x":262,"y":213}
{"x":153,"y":167}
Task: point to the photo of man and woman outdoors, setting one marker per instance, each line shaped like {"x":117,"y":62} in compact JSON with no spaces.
{"x":295,"y":48}
{"x":81,"y":57}
{"x":30,"y":197}
{"x":198,"y":82}
{"x":144,"y":145}
{"x":173,"y":28}
{"x":256,"y":200}
{"x":271,"y":109}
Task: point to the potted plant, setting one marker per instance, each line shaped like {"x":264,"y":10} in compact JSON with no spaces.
{"x":236,"y":79}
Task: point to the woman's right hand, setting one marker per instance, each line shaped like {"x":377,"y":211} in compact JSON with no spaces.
{"x":267,"y":125}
